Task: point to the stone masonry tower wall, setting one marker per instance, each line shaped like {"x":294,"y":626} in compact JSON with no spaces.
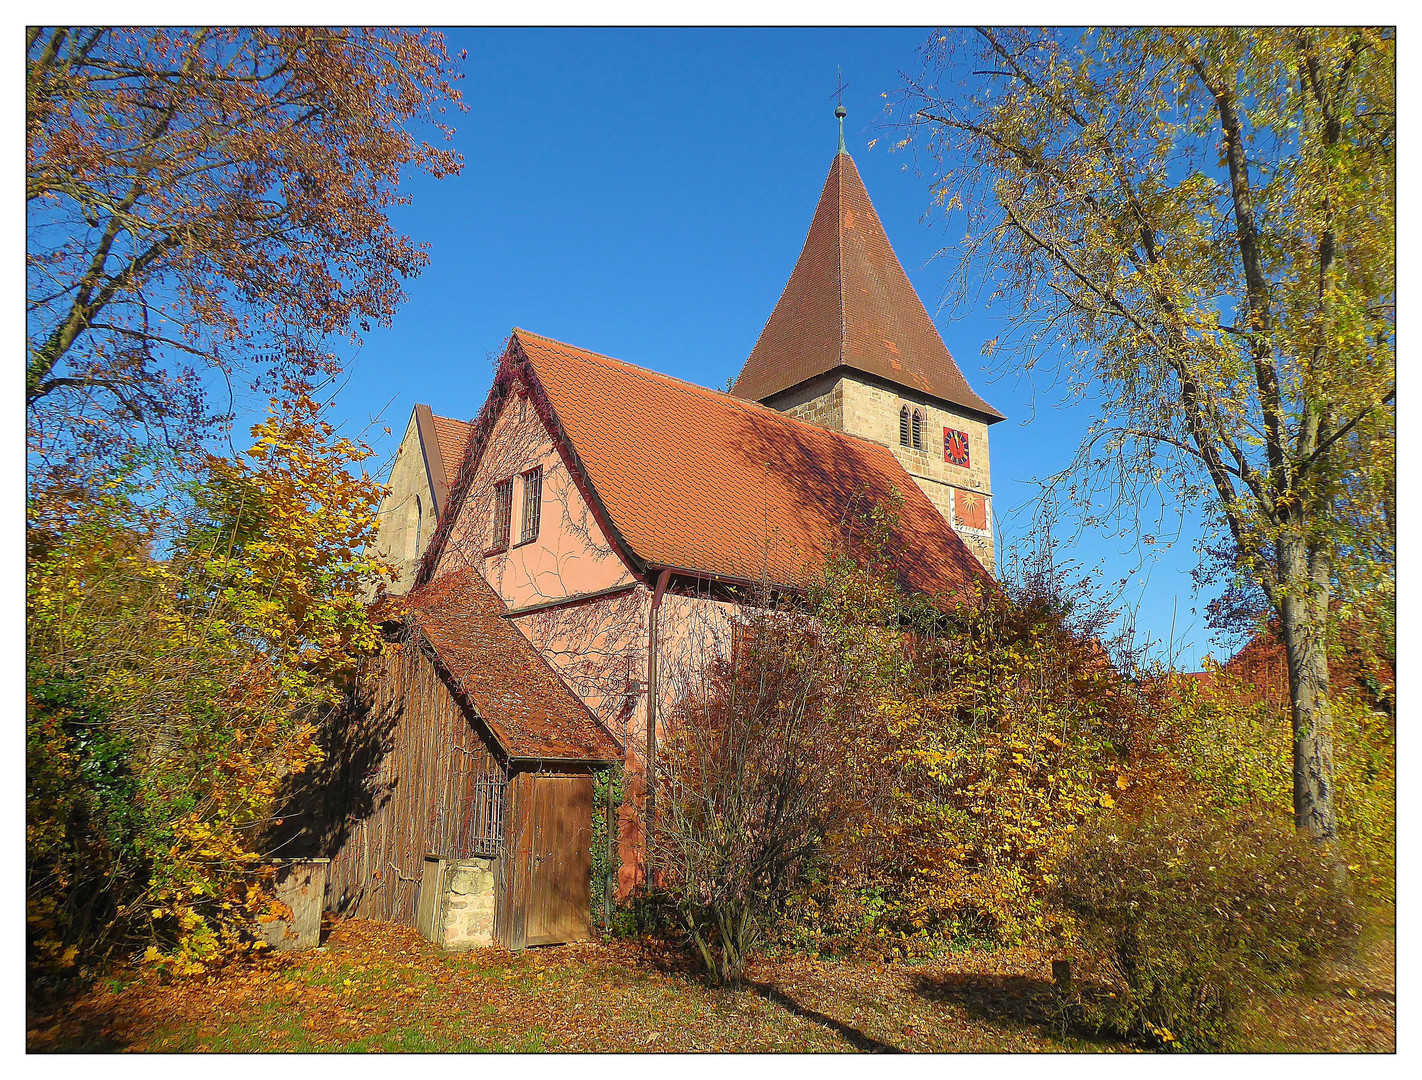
{"x":850,"y":347}
{"x":850,"y":402}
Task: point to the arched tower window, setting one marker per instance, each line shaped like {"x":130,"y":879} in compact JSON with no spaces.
{"x":904,"y":426}
{"x":918,"y":429}
{"x":413,"y":530}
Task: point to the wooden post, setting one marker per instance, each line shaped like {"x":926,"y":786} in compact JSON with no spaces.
{"x":651,"y":770}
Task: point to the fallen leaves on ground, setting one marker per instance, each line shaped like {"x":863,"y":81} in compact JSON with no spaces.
{"x":377,"y":986}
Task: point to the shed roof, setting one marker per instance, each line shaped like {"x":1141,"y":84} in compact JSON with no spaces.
{"x":848,"y":303}
{"x":527,"y":708}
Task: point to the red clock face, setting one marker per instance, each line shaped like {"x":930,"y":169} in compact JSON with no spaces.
{"x":955,"y":447}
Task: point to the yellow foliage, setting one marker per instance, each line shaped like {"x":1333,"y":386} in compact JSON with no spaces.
{"x":198,"y":677}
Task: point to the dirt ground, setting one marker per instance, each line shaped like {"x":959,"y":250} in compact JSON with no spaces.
{"x":375,"y":987}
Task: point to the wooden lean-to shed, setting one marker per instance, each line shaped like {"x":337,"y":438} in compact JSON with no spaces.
{"x":466,"y":759}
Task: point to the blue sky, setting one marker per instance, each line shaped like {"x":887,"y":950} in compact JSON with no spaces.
{"x":644,"y":193}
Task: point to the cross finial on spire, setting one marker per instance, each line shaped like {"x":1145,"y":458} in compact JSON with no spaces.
{"x":839,"y":110}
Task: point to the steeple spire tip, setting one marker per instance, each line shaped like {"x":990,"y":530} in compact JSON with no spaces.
{"x":839,"y":111}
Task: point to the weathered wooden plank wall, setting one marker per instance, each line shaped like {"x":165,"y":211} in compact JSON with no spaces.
{"x":511,"y":880}
{"x":422,"y":788}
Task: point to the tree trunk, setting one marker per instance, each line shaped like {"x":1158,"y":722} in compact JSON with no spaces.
{"x":1303,"y":623}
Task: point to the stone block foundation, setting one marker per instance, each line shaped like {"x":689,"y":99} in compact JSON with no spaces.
{"x":456,"y":904}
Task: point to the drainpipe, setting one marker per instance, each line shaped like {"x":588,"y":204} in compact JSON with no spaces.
{"x":651,"y":770}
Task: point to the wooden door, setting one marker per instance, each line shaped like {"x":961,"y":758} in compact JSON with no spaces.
{"x":560,"y":859}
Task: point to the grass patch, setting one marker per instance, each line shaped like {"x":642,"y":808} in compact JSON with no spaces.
{"x":380,"y":988}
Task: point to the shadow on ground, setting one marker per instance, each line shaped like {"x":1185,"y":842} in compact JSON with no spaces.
{"x":1019,"y":999}
{"x":852,"y":1035}
{"x":87,"y":1030}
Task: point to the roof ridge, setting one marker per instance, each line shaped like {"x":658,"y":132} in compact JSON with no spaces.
{"x":717,"y":395}
{"x":839,"y":251}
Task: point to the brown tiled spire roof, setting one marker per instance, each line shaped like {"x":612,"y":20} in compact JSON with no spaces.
{"x":849,"y":304}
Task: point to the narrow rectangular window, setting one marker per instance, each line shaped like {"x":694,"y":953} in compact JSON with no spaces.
{"x":503,"y":515}
{"x":532,"y":504}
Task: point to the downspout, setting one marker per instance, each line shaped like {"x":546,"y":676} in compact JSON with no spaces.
{"x":651,"y":770}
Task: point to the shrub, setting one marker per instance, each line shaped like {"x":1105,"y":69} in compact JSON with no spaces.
{"x":1365,"y":776}
{"x":1230,"y":744}
{"x":1183,"y":915}
{"x":82,"y":822}
{"x":1009,"y":728}
{"x":757,"y":773}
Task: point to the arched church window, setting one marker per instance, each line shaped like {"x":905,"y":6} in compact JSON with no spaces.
{"x":918,"y":429}
{"x":904,"y":426}
{"x":413,"y":527}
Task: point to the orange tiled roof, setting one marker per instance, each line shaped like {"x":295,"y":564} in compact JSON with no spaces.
{"x":526,"y":706}
{"x":452,"y":436}
{"x":848,"y":303}
{"x":703,"y":481}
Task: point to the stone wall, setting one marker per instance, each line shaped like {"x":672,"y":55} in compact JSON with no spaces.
{"x":299,"y":885}
{"x":819,"y":400}
{"x":856,"y":405}
{"x":406,"y":518}
{"x":456,"y":907}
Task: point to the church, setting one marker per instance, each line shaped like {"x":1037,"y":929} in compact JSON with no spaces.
{"x":580,"y":548}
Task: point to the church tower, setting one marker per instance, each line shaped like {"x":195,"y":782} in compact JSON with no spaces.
{"x":851,"y":347}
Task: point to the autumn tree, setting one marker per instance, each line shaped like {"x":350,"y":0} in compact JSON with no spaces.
{"x":180,"y":656}
{"x":211,"y":205}
{"x":1197,"y":227}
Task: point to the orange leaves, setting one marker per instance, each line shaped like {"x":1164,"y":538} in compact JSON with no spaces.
{"x":215,"y":198}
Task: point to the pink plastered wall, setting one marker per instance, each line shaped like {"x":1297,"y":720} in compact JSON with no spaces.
{"x":599,"y":646}
{"x":571,"y":554}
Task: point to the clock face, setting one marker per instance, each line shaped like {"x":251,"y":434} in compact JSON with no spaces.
{"x":955,"y":447}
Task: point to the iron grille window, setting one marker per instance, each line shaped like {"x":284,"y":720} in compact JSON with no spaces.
{"x":503,"y":514}
{"x":484,"y":817}
{"x":904,"y":426}
{"x":532,"y":504}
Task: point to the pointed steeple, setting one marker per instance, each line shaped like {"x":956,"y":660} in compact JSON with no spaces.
{"x":849,"y":304}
